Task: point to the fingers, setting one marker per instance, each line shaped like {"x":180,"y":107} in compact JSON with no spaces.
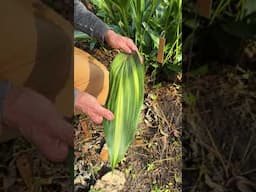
{"x":126,"y":48}
{"x":131,"y":45}
{"x":105,"y":113}
{"x":66,"y":133}
{"x":97,"y":118}
{"x":120,"y":42}
{"x":53,"y":149}
{"x":100,"y":113}
{"x":127,"y":45}
{"x":54,"y":141}
{"x":92,"y":108}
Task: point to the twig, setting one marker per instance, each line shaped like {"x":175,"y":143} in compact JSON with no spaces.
{"x":231,"y":151}
{"x":247,"y":149}
{"x":248,"y":172}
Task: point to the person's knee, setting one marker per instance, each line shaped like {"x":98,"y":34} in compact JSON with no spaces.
{"x":54,"y":61}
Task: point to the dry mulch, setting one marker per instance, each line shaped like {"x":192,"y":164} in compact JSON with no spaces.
{"x":219,"y":132}
{"x":23,"y":168}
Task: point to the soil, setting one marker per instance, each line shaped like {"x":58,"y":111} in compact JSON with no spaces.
{"x":219,"y":131}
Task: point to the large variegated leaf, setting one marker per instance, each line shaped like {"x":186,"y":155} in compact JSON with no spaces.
{"x":125,"y":101}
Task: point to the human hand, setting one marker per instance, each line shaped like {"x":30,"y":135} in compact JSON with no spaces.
{"x":38,"y":121}
{"x":90,"y":106}
{"x":117,"y":41}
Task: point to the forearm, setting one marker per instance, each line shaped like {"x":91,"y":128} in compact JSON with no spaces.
{"x":87,"y":22}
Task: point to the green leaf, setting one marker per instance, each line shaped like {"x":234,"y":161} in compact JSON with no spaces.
{"x":78,"y":35}
{"x":143,"y":21}
{"x":240,"y":29}
{"x":125,"y":101}
{"x":250,"y":6}
{"x":202,"y":70}
{"x":190,"y":99}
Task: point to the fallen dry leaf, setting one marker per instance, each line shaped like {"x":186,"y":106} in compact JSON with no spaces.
{"x":85,"y":129}
{"x":139,"y":143}
{"x":25,"y":169}
{"x":104,"y":153}
{"x":85,"y":149}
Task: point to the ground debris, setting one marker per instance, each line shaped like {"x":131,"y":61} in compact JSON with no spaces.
{"x":111,"y":182}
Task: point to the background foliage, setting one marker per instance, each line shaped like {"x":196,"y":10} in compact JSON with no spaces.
{"x":145,"y":21}
{"x":222,"y":37}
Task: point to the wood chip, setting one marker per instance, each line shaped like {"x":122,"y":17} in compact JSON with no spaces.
{"x":85,"y":129}
{"x":104,"y":153}
{"x":25,"y":169}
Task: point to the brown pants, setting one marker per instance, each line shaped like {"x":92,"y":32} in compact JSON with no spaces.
{"x":90,"y":75}
{"x":37,"y":52}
